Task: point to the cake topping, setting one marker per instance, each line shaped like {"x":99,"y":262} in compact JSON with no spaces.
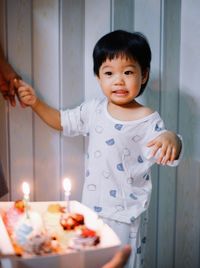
{"x":19,"y":205}
{"x":71,"y":220}
{"x":42,"y":244}
{"x":55,"y":208}
{"x":84,"y":237}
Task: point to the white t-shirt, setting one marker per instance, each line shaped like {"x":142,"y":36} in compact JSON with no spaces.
{"x":117,"y":180}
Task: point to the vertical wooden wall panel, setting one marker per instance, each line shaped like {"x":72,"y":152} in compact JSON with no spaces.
{"x":4,"y":134}
{"x":147,"y":16}
{"x":188,"y":187}
{"x":123,"y":15}
{"x":72,"y":88}
{"x":20,"y":120}
{"x":170,"y":62}
{"x":96,"y":13}
{"x":46,"y":82}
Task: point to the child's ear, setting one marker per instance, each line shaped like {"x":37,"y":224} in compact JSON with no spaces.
{"x":145,"y":76}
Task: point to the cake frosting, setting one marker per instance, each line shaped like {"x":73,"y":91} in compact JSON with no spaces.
{"x":27,"y":227}
{"x":13,"y":215}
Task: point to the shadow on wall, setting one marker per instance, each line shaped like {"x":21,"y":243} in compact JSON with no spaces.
{"x":188,"y":184}
{"x":189,"y":124}
{"x":186,"y":217}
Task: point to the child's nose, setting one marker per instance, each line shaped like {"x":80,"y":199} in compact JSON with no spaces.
{"x":119,"y":79}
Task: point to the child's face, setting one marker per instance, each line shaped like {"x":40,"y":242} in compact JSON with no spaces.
{"x":121,"y":79}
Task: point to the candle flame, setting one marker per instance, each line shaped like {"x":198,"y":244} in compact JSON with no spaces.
{"x":67,"y":185}
{"x":25,"y":188}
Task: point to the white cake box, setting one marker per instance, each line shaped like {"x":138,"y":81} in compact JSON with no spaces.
{"x":94,"y":257}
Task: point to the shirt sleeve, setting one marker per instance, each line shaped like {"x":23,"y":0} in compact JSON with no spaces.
{"x":77,"y":121}
{"x":153,"y":129}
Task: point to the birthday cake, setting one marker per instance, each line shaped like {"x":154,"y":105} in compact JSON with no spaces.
{"x":55,"y":230}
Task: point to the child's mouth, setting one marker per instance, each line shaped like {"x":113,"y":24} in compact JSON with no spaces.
{"x":120,"y":92}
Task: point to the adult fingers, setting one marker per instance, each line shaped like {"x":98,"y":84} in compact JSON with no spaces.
{"x":120,"y":258}
{"x":12,"y":87}
{"x":20,"y":83}
{"x":4,"y":87}
{"x":12,"y":100}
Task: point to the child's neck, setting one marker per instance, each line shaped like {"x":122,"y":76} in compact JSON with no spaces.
{"x":128,"y":112}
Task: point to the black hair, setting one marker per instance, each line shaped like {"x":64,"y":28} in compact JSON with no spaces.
{"x":122,"y":43}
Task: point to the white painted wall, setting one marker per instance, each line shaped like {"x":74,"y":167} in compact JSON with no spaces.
{"x":93,"y":17}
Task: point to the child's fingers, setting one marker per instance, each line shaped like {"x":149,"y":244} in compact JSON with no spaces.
{"x":24,"y":91}
{"x":23,"y":105}
{"x":162,"y":154}
{"x":26,"y":96}
{"x":166,"y":156}
{"x":151,"y":143}
{"x":156,"y":147}
{"x":173,"y":155}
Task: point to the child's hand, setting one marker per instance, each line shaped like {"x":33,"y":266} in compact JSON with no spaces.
{"x":168,"y":145}
{"x":26,"y":93}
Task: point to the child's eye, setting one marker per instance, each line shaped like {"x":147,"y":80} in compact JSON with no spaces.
{"x":108,"y":73}
{"x":128,"y":72}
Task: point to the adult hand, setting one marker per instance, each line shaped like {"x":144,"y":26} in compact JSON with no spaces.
{"x":120,"y":258}
{"x":8,"y":88}
{"x":8,"y":75}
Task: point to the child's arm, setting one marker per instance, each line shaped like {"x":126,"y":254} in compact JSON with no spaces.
{"x":48,"y":114}
{"x":168,"y":146}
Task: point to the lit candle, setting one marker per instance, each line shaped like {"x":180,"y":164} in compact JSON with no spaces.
{"x":26,"y":192}
{"x":67,"y":191}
